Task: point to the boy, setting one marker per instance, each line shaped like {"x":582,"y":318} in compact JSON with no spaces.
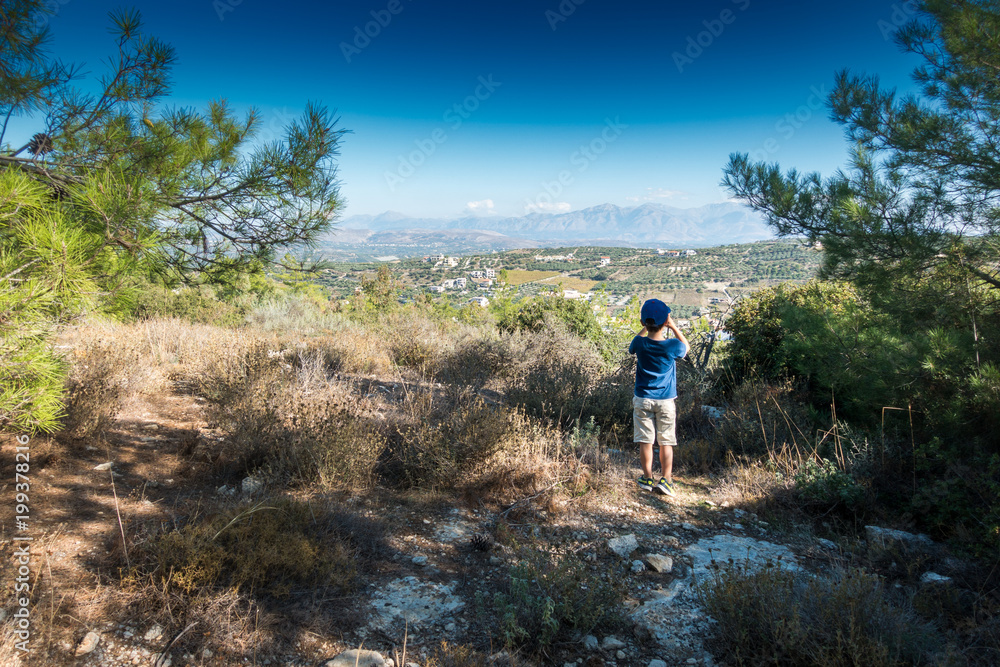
{"x":655,"y":390}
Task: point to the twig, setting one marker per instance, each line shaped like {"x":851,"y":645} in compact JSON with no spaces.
{"x":240,"y":516}
{"x":160,"y":661}
{"x":524,"y":500}
{"x":118,"y":512}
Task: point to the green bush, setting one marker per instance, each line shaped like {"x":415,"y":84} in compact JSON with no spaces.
{"x":823,"y":483}
{"x":770,"y":615}
{"x":196,"y":305}
{"x":553,"y":598}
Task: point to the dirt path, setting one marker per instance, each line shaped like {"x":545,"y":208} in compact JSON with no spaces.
{"x":76,"y":505}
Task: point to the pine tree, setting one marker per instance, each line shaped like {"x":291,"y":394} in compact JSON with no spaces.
{"x":113,"y":189}
{"x":922,"y":187}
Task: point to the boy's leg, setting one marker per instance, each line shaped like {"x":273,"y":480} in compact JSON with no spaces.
{"x":666,"y":430}
{"x":644,"y":429}
{"x":667,"y":462}
{"x":646,"y":458}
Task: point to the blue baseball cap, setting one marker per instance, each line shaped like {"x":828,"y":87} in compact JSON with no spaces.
{"x":655,"y":310}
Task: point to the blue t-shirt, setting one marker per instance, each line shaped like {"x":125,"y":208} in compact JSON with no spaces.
{"x":655,"y":367}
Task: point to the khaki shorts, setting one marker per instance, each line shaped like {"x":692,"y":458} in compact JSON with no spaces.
{"x":654,"y":419}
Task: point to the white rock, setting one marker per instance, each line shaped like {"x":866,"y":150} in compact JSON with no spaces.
{"x":660,"y":563}
{"x":620,"y":654}
{"x":712,"y":412}
{"x":357,"y":657}
{"x":419,"y":560}
{"x":104,"y":466}
{"x":89,"y":643}
{"x":612,"y":643}
{"x":590,"y":643}
{"x":744,"y":551}
{"x":638,"y":566}
{"x":934,"y":578}
{"x":251,"y":485}
{"x":657,"y":663}
{"x":885,"y":536}
{"x":623,"y":545}
{"x":225,"y":490}
{"x":826,"y":544}
{"x":688,"y":526}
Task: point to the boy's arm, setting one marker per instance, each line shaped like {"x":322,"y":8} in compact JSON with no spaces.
{"x":677,"y":332}
{"x":631,"y":346}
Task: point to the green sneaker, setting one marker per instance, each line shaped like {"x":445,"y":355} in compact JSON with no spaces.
{"x":664,"y":488}
{"x":646,"y":483}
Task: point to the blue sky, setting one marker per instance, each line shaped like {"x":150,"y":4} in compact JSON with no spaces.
{"x":507,"y":107}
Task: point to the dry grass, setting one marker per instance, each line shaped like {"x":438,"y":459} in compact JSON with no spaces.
{"x":570,"y":282}
{"x":521,"y":276}
{"x":108,"y":369}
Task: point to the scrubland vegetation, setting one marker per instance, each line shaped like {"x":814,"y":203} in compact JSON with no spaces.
{"x":142,"y":261}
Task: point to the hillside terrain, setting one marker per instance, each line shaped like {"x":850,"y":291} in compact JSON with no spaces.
{"x":685,"y":279}
{"x":234,"y":496}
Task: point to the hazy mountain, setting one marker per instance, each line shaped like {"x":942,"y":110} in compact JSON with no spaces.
{"x":713,"y":224}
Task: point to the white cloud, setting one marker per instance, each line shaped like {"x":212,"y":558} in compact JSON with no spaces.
{"x":481,"y":207}
{"x":652,"y":194}
{"x":548,"y":207}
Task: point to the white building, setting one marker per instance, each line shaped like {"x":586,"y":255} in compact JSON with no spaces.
{"x":453,"y":261}
{"x":460,"y":283}
{"x":437,"y":289}
{"x":605,"y":261}
{"x":449,"y":284}
{"x":689,"y":253}
{"x":490,"y":273}
{"x":480,"y":301}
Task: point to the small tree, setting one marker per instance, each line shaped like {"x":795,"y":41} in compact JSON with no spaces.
{"x":113,"y":189}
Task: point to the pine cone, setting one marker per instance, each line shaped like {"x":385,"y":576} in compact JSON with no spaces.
{"x":40,"y":144}
{"x":482,"y":542}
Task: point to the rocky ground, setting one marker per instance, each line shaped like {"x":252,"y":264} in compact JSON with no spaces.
{"x":424,"y":591}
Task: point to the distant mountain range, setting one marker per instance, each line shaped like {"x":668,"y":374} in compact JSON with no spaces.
{"x":607,"y":224}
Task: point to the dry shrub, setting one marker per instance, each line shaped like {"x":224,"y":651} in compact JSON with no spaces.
{"x":300,"y":313}
{"x":267,"y":549}
{"x":761,"y":419}
{"x":189,"y":353}
{"x":353,"y":349}
{"x":414,"y":340}
{"x":555,"y":374}
{"x":108,"y":367}
{"x":766,"y":486}
{"x":9,"y":654}
{"x":478,"y":357}
{"x":291,"y":423}
{"x":770,"y":615}
{"x":442,"y":443}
